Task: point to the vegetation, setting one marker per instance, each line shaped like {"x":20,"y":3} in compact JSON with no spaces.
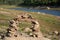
{"x":8,"y":6}
{"x":31,"y":2}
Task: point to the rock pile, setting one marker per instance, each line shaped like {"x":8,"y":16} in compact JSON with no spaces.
{"x":35,"y":29}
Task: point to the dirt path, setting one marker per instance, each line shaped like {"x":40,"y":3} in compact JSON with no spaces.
{"x":24,"y":38}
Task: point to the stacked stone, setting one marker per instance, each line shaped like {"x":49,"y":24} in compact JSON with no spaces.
{"x":12,"y":30}
{"x":35,"y":29}
{"x":26,"y":16}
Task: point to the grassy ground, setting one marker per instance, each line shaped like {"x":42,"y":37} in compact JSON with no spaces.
{"x":48,"y":23}
{"x":8,"y":6}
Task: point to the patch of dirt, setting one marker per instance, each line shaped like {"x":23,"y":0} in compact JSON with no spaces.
{"x":22,"y":37}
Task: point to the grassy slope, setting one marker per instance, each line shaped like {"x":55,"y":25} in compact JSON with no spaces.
{"x":8,"y":6}
{"x":48,"y":23}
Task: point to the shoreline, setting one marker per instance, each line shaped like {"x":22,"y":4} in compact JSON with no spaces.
{"x":37,"y":7}
{"x":42,"y":7}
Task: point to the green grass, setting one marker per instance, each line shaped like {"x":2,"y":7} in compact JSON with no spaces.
{"x":23,"y":25}
{"x":8,"y":6}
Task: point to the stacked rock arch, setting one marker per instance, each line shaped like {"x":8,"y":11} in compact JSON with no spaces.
{"x":35,"y":28}
{"x":13,"y":26}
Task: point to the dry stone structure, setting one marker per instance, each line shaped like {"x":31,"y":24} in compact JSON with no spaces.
{"x":11,"y":33}
{"x":35,"y":28}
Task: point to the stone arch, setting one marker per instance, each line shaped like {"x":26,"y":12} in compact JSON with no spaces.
{"x":13,"y":26}
{"x":26,"y":17}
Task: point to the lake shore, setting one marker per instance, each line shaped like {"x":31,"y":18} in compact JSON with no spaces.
{"x":42,"y":7}
{"x":38,"y":7}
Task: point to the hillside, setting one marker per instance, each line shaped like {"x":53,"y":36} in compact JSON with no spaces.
{"x":48,"y":23}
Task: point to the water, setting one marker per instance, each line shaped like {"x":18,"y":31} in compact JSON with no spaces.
{"x":53,"y":12}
